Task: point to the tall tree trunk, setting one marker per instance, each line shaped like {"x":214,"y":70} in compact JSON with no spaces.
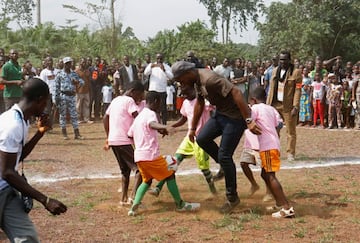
{"x":113,"y":26}
{"x":38,"y":12}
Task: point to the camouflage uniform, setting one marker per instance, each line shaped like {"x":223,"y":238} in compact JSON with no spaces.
{"x":65,"y":98}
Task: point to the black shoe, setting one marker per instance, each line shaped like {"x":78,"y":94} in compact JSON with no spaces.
{"x":229,"y":206}
{"x":219,"y":175}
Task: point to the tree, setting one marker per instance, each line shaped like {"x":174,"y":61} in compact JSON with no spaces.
{"x":323,"y":27}
{"x":19,"y":11}
{"x":236,"y":11}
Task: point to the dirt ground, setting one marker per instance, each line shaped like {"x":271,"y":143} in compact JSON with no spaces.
{"x":86,"y":178}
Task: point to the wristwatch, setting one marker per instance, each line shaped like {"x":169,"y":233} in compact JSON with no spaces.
{"x":248,"y":120}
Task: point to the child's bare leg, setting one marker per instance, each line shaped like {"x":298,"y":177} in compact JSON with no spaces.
{"x":248,"y":173}
{"x":275,"y":188}
{"x":125,"y":180}
{"x":137,"y":183}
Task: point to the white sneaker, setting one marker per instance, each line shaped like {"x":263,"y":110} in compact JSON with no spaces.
{"x":189,"y":207}
{"x":283,"y":213}
{"x":154,"y":191}
{"x":290,"y":158}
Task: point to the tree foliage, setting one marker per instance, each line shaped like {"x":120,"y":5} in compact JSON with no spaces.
{"x":19,"y":11}
{"x":323,"y":27}
{"x":227,"y":12}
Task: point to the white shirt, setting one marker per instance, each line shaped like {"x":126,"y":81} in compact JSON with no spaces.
{"x":158,"y":78}
{"x":48,"y":76}
{"x":13,"y":134}
{"x":107,"y":93}
{"x":129,"y":70}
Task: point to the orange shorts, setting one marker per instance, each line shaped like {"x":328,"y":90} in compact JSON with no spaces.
{"x":155,"y":169}
{"x":270,"y":160}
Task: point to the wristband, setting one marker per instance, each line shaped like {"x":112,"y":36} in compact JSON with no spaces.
{"x":192,"y":129}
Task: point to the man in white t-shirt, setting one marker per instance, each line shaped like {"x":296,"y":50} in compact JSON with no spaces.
{"x":48,"y":76}
{"x":15,"y":222}
{"x":159,"y":73}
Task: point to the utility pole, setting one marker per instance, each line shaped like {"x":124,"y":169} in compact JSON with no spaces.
{"x":38,"y":12}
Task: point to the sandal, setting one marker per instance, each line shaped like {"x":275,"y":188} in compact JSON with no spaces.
{"x":284,"y":213}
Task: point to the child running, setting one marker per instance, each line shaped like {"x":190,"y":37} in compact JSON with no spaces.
{"x":147,"y":155}
{"x":187,"y":148}
{"x":117,"y":120}
{"x":250,"y":155}
{"x":268,"y":119}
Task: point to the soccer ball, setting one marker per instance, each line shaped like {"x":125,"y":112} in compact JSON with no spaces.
{"x":171,"y":162}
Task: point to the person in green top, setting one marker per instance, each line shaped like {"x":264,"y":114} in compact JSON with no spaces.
{"x":12,"y":78}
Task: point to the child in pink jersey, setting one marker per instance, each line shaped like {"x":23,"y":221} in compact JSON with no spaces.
{"x":147,"y":154}
{"x":117,"y":120}
{"x":268,"y":119}
{"x":250,"y":155}
{"x":187,"y":148}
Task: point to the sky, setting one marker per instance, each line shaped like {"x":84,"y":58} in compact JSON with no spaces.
{"x":146,"y":17}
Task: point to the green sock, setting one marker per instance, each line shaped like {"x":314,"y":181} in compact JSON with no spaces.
{"x":160,"y":185}
{"x":179,"y":158}
{"x":174,"y":190}
{"x":140,"y":192}
{"x":208,"y":175}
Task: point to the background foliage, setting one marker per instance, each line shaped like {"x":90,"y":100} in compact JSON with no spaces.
{"x":306,"y":27}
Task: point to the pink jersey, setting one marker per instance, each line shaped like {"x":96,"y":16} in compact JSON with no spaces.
{"x":120,"y":113}
{"x":251,"y":140}
{"x":145,"y":138}
{"x":187,"y":110}
{"x":267,"y":118}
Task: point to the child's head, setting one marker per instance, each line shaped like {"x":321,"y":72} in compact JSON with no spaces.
{"x":317,"y":76}
{"x":136,"y":91}
{"x":258,"y":96}
{"x":332,"y":78}
{"x":153,"y":100}
{"x":345,"y":85}
{"x":188,"y":91}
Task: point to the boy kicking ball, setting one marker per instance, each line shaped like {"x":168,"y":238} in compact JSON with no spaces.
{"x":268,"y":119}
{"x":147,"y":155}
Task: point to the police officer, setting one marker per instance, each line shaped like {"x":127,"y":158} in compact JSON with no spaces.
{"x":65,"y":90}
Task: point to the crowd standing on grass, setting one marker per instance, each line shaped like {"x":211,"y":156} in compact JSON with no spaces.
{"x":313,"y":93}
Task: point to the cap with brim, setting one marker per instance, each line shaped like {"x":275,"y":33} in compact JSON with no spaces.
{"x":67,"y":59}
{"x":181,"y":67}
{"x":331,"y":75}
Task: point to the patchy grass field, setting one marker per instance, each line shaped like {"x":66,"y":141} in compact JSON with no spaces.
{"x":326,"y":199}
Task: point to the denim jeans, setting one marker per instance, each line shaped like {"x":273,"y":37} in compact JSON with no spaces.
{"x":230,"y":131}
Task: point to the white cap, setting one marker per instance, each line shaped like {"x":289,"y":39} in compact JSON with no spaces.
{"x":67,"y":59}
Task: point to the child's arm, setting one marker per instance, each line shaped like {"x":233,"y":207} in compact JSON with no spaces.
{"x":162,"y":129}
{"x":180,"y":122}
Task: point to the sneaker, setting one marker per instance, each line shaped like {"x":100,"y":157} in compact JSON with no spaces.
{"x":89,"y":122}
{"x":189,"y":207}
{"x":212,"y":187}
{"x":229,"y":206}
{"x":268,"y":198}
{"x":132,"y":211}
{"x":219,"y":175}
{"x":66,"y":138}
{"x":154,"y":191}
{"x":283,"y":213}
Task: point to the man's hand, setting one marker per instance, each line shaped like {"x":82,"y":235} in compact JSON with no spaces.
{"x":43,"y":123}
{"x":192,"y":135}
{"x":254,"y":128}
{"x":54,"y":206}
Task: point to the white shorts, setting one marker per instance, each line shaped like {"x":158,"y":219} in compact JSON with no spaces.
{"x":250,"y":156}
